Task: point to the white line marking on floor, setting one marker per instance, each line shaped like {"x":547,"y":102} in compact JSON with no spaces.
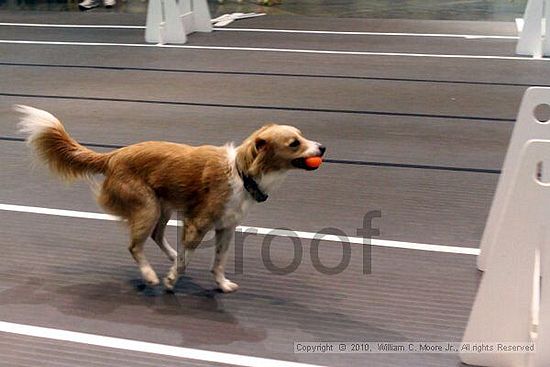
{"x":260,"y":231}
{"x":267,"y":30}
{"x":50,"y":25}
{"x":285,"y":50}
{"x":144,"y":347}
{"x":352,"y":33}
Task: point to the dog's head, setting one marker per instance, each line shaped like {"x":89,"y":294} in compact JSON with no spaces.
{"x":277,"y":147}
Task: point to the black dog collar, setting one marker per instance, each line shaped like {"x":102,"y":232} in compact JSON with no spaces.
{"x":253,"y":189}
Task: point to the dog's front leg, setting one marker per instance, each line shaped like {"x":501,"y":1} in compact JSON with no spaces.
{"x":223,"y":238}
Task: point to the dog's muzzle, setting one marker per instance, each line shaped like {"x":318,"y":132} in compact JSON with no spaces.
{"x":301,"y":162}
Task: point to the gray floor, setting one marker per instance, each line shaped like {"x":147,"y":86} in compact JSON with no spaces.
{"x":421,"y":139}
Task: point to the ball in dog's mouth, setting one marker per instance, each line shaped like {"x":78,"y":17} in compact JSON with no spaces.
{"x":309,"y":163}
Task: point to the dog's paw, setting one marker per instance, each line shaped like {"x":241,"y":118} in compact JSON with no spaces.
{"x":153,"y":282}
{"x":150,"y":277}
{"x":169,"y":282}
{"x":228,"y":286}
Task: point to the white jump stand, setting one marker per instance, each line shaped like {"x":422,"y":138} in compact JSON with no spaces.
{"x":533,"y":28}
{"x":512,"y":303}
{"x":170,"y":22}
{"x":527,"y":127}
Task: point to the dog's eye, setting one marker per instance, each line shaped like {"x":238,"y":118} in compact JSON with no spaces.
{"x":295,"y":143}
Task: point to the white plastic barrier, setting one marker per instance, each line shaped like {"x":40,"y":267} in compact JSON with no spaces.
{"x":509,"y":306}
{"x":513,"y":300}
{"x":170,"y":22}
{"x":527,"y":127}
{"x":533,"y":28}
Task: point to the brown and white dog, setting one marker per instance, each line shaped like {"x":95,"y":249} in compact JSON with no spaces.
{"x":212,"y":186}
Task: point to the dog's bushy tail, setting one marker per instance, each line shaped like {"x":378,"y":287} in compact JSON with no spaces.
{"x":53,"y":145}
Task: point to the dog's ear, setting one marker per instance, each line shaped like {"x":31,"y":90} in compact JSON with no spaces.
{"x":260,"y":143}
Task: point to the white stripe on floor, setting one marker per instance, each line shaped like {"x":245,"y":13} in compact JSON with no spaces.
{"x":260,"y":231}
{"x":51,"y":25}
{"x":351,"y":33}
{"x":283,"y":50}
{"x":144,"y":347}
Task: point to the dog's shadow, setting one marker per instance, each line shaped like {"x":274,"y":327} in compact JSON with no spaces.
{"x":183,"y":311}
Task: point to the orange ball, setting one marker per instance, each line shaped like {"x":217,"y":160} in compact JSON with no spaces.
{"x":313,"y":162}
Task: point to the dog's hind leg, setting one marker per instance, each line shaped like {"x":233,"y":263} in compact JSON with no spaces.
{"x":158,"y":234}
{"x":137,"y":203}
{"x":141,"y":225}
{"x":142,"y":222}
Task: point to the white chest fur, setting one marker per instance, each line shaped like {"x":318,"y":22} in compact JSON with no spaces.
{"x":271,"y":181}
{"x":236,"y":208}
{"x":240,"y":200}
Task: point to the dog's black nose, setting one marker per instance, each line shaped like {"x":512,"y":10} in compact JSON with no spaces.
{"x":322,"y":149}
